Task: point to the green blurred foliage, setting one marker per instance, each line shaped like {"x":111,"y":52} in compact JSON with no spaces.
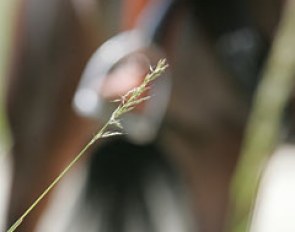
{"x":7,"y":17}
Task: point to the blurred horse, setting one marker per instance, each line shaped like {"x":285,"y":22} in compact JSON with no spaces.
{"x":215,"y":50}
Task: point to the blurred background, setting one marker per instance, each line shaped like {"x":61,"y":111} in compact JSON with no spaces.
{"x":62,"y":62}
{"x":7,"y":17}
{"x":8,"y":12}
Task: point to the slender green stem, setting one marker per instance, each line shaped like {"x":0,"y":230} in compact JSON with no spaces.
{"x":51,"y":186}
{"x":59,"y":177}
{"x":134,"y":98}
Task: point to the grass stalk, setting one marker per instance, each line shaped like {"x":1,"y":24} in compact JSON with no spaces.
{"x":127,"y":103}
